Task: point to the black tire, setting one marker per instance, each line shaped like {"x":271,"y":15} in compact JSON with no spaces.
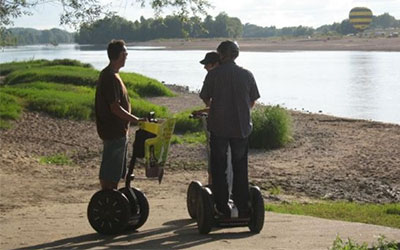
{"x":108,"y":212}
{"x":144,"y":208}
{"x":192,"y":198}
{"x":257,"y":215}
{"x":205,"y":211}
{"x":139,"y":206}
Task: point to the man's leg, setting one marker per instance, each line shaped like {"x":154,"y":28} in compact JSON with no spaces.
{"x":113,"y":163}
{"x":240,"y":191}
{"x":218,"y":148}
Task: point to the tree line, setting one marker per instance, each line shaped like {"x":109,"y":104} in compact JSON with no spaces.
{"x":222,"y":25}
{"x":102,"y":31}
{"x":28,"y":36}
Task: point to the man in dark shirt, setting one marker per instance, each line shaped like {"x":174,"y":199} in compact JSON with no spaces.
{"x":230,"y":91}
{"x":113,"y":115}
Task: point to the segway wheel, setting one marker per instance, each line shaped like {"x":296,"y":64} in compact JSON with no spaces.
{"x":139,"y":208}
{"x":192,"y":197}
{"x":256,"y":222}
{"x":205,"y":211}
{"x":108,"y":212}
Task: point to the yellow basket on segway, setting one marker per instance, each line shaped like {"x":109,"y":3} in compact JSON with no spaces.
{"x":156,"y":149}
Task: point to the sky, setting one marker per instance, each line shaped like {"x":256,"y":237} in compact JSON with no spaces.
{"x":279,"y":13}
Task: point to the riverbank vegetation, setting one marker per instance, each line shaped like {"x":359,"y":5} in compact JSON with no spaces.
{"x":66,"y":89}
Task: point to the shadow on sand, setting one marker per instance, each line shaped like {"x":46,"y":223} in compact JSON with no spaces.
{"x":176,"y":234}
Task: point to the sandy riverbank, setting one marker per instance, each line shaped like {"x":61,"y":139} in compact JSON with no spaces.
{"x":281,"y":44}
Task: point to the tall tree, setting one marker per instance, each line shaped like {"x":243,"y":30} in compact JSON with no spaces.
{"x":77,"y":12}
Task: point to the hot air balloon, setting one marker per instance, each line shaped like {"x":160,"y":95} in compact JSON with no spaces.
{"x":360,"y":18}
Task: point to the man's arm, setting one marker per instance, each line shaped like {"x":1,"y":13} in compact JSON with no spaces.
{"x":119,"y":111}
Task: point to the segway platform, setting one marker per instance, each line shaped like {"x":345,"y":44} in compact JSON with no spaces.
{"x":127,"y":209}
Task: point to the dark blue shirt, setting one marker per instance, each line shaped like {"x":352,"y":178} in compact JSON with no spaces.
{"x":232,"y":90}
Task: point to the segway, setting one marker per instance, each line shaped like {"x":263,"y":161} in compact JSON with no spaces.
{"x":201,"y":206}
{"x":194,"y":188}
{"x":207,"y":217}
{"x":127,"y":209}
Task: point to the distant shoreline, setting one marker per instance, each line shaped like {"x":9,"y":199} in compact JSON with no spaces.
{"x":282,"y":44}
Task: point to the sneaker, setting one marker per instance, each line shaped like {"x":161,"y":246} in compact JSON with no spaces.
{"x":234,"y":212}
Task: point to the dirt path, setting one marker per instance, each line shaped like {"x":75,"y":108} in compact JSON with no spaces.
{"x":44,"y":206}
{"x":64,"y":226}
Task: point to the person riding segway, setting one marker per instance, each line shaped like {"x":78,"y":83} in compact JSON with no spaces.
{"x":230,"y":92}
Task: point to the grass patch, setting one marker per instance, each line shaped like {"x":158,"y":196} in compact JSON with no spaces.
{"x":55,"y":73}
{"x":382,"y":244}
{"x":7,"y":68}
{"x":59,"y":100}
{"x":377,"y":214}
{"x":10,"y":109}
{"x":185,"y":124}
{"x":142,"y":108}
{"x":190,"y":138}
{"x":272,"y":128}
{"x":76,"y":73}
{"x":57,"y":159}
{"x":145,"y":86}
{"x":275,"y":190}
{"x":66,"y":89}
{"x":70,"y":101}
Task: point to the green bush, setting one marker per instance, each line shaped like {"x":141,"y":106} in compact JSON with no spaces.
{"x":271,"y":127}
{"x":186,"y":124}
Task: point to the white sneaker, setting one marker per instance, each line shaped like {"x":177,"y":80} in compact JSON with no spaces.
{"x":234,"y":212}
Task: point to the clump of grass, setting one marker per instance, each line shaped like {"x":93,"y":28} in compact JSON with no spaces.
{"x":185,"y":124}
{"x":383,"y":244}
{"x":376,"y":214}
{"x":57,"y":159}
{"x":272,"y":128}
{"x":10,"y":109}
{"x":276,"y":190}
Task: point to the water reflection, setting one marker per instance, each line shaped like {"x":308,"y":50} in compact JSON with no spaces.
{"x":362,"y":85}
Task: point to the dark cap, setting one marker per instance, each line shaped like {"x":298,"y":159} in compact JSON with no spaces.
{"x":211,"y":57}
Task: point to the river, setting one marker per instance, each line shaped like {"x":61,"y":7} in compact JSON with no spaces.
{"x":353,"y":84}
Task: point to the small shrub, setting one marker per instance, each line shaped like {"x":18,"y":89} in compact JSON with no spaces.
{"x":271,"y":128}
{"x":383,"y":244}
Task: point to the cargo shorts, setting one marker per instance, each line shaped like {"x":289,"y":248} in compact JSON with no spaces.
{"x":113,"y":163}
